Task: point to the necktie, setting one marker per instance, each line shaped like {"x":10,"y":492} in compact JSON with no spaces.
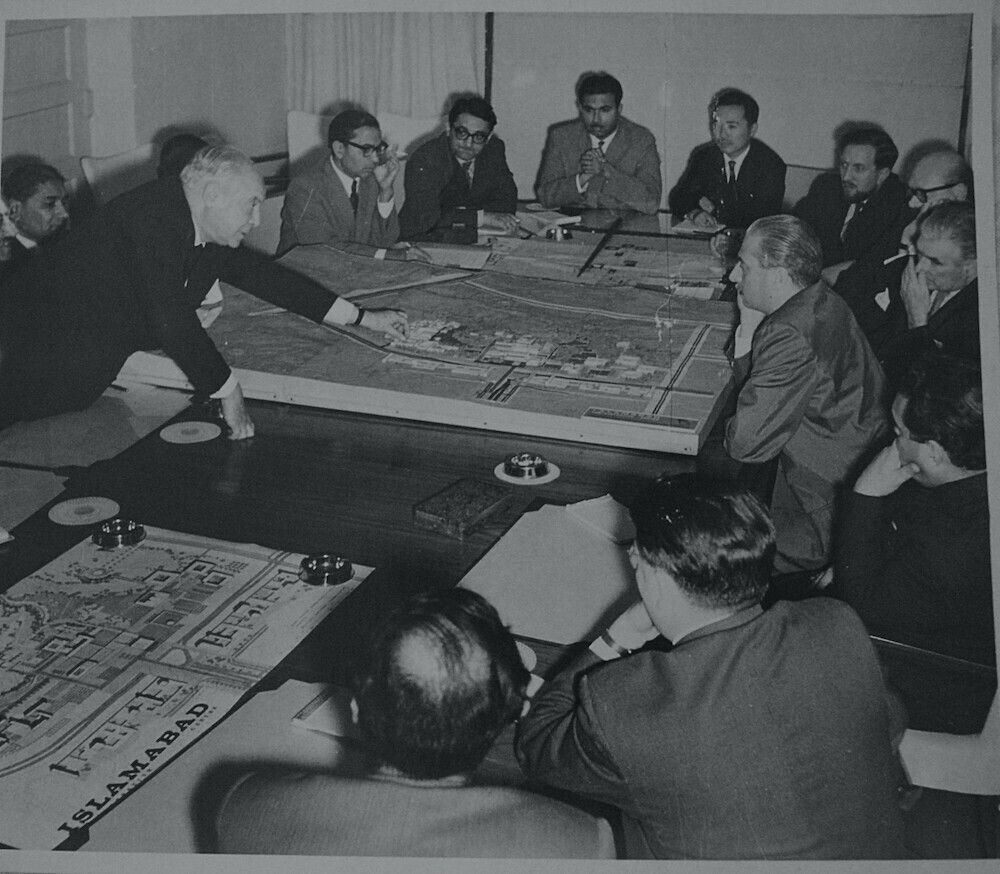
{"x":468,"y":172}
{"x":354,"y":195}
{"x":732,"y":173}
{"x":600,"y":146}
{"x":852,"y":211}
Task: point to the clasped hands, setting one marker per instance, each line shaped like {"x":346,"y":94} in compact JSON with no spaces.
{"x":592,"y":163}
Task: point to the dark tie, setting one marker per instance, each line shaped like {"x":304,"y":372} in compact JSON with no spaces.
{"x":600,"y":146}
{"x":732,"y":172}
{"x":468,"y":173}
{"x":354,"y":195}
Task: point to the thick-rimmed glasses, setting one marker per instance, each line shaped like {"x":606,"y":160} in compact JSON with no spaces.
{"x":463,"y":134}
{"x":921,"y":193}
{"x":369,"y":150}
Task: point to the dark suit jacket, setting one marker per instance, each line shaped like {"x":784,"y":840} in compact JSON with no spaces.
{"x":763,"y":736}
{"x":439,"y":204}
{"x":877,"y":226}
{"x":317,"y":209}
{"x":870,"y":288}
{"x":20,"y":256}
{"x":915,"y":564}
{"x":633,"y":168}
{"x":129,"y":278}
{"x":953,"y":329}
{"x":326,"y":814}
{"x":812,"y":394}
{"x":760,"y":185}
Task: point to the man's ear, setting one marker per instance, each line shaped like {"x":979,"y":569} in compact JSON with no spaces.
{"x":970,"y":270}
{"x":883,"y":174}
{"x":354,"y":710}
{"x":753,"y":129}
{"x":211,"y":191}
{"x":14,"y":209}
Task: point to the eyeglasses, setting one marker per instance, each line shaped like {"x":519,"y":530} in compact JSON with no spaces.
{"x":463,"y":134}
{"x":921,"y":193}
{"x":368,"y":150}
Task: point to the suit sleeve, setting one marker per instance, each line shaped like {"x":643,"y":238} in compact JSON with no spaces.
{"x":275,"y":284}
{"x":502,"y":196}
{"x":560,"y":741}
{"x":640,"y":189}
{"x":557,"y":177}
{"x":421,"y":209}
{"x":778,"y":386}
{"x":690,"y":187}
{"x":157,"y":252}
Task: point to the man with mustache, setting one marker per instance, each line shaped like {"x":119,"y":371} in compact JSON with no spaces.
{"x":862,"y":205}
{"x":600,"y":160}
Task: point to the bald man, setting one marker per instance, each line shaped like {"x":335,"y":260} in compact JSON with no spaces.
{"x":871,"y":286}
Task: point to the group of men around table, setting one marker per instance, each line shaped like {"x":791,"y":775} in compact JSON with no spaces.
{"x":750,"y":760}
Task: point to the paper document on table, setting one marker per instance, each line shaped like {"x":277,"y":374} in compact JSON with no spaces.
{"x":329,"y":712}
{"x":605,"y":516}
{"x":465,"y":257}
{"x":554,"y":579}
{"x":538,"y":222}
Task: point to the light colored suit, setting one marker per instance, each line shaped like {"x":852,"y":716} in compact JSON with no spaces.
{"x":813,"y":395}
{"x":317,"y":209}
{"x":633,"y":180}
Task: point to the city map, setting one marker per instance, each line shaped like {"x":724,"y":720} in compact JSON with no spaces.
{"x":113,"y":661}
{"x":619,"y":366}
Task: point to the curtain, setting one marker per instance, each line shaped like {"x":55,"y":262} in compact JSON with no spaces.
{"x":407,"y":63}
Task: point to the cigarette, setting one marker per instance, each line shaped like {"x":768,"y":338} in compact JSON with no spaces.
{"x":896,"y":257}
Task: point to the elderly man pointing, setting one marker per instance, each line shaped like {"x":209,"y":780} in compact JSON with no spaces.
{"x":132,"y":278}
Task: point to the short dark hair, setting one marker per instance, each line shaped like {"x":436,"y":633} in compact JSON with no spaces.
{"x":735,"y":97}
{"x":346,"y":124}
{"x":599,"y":82}
{"x":956,"y":220}
{"x":24,"y":181}
{"x":886,"y":152}
{"x":714,"y":539}
{"x":177,"y":152}
{"x":944,"y":403}
{"x":787,"y":241}
{"x":473,"y":104}
{"x":435,"y":726}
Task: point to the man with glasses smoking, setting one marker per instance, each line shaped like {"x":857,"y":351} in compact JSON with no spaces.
{"x":600,"y":160}
{"x":459,"y":183}
{"x":346,"y":199}
{"x":872,"y":286}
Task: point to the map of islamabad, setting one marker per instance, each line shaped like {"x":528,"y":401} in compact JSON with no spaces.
{"x":620,"y":366}
{"x":113,"y":661}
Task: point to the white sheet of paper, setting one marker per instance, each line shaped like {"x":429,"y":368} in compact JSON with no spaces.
{"x":605,"y":516}
{"x":554,"y":579}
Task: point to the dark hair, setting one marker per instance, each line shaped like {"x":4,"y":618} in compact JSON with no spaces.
{"x":443,"y":722}
{"x":944,"y":403}
{"x":953,"y":219}
{"x":472,"y":104}
{"x":714,"y":539}
{"x":886,"y":152}
{"x":346,"y":124}
{"x":177,"y":152}
{"x":735,"y":97}
{"x":599,"y":82}
{"x":25,"y":181}
{"x":786,"y":241}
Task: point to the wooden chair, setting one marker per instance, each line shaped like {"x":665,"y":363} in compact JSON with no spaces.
{"x":112,"y":175}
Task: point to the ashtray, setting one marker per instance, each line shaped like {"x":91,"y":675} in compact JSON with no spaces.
{"x":325,"y":569}
{"x":118,"y":532}
{"x":526,"y":468}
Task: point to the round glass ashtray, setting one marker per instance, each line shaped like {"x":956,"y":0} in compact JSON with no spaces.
{"x":325,"y":569}
{"x":118,"y":532}
{"x":526,"y":468}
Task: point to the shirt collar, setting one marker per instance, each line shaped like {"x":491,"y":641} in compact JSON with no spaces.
{"x":606,"y":140}
{"x":26,"y":242}
{"x":739,"y":159}
{"x":739,"y":617}
{"x":345,"y":180}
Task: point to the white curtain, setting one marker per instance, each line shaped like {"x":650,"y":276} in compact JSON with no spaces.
{"x":394,"y":62}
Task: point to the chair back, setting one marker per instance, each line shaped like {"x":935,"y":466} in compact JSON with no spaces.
{"x":798,"y":178}
{"x":112,"y":175}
